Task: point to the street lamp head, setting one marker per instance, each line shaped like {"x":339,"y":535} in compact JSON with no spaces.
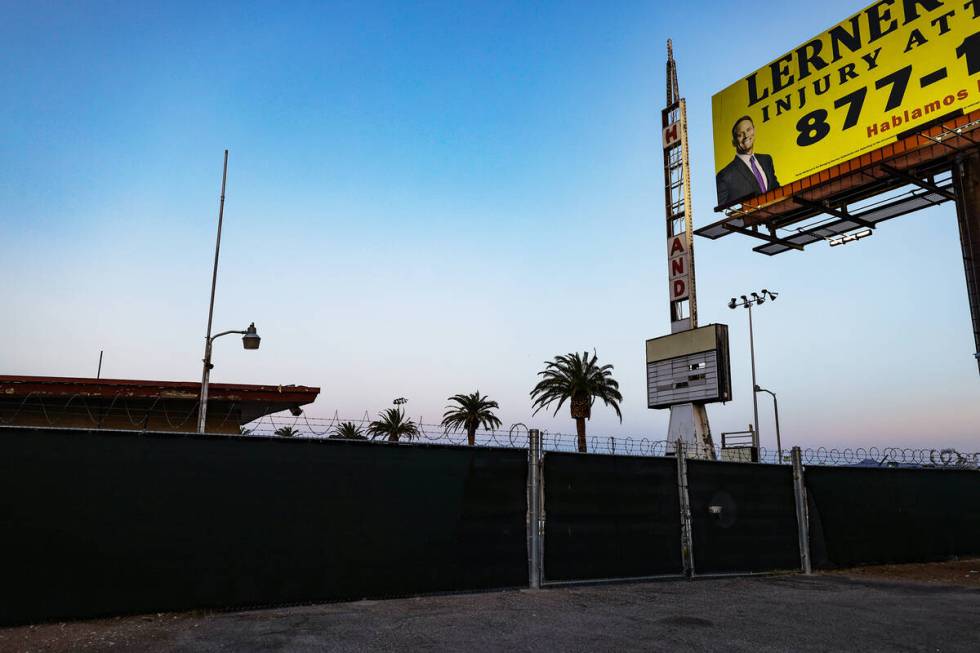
{"x":772,"y":295}
{"x":251,"y":338}
{"x":732,"y":303}
{"x":745,"y":301}
{"x":757,"y":299}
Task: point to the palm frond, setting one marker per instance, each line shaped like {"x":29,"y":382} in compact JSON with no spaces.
{"x":471,"y":410}
{"x":576,"y":377}
{"x":348,"y":431}
{"x":392,"y":426}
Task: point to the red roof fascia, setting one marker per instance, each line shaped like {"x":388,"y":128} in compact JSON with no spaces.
{"x":21,"y":386}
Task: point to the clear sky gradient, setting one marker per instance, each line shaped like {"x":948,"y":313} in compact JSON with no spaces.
{"x":433,"y":197}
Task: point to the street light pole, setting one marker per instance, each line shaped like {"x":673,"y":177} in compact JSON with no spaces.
{"x":775,"y":408}
{"x":214,"y":282}
{"x":250,"y":339}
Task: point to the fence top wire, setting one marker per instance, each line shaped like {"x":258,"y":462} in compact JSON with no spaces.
{"x":629,"y":445}
{"x":32,"y":410}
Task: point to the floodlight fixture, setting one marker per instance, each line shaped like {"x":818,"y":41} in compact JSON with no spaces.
{"x":732,"y":303}
{"x":850,"y":238}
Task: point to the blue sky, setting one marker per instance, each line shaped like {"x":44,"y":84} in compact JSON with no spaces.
{"x":430,"y":198}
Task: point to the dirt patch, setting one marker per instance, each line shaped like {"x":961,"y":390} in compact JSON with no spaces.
{"x":955,"y":572}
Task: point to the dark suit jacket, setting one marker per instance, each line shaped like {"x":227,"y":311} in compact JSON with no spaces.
{"x":736,"y":182}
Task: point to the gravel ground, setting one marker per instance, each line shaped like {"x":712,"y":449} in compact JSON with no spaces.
{"x":958,"y":572}
{"x":762,"y":613}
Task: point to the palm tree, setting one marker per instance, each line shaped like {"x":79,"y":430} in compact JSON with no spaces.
{"x":348,"y":431}
{"x":392,"y":426}
{"x":471,"y":412}
{"x":287,"y":431}
{"x":580,"y":380}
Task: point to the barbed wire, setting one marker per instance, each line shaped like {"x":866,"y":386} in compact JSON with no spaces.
{"x":36,"y":410}
{"x":517,"y":437}
{"x":892,"y":457}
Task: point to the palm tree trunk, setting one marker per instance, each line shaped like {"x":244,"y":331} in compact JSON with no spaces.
{"x":580,"y":429}
{"x":471,"y":435}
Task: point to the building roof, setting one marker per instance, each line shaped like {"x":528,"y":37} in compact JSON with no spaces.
{"x":55,"y":386}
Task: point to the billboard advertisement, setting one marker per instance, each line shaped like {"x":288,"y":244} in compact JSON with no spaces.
{"x":889,"y":69}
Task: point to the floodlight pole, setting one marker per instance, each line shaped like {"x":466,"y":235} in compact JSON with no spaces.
{"x":755,"y":392}
{"x":757,"y":298}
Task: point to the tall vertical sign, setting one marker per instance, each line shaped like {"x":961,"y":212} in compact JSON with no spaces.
{"x":688,"y":421}
{"x":677,"y":203}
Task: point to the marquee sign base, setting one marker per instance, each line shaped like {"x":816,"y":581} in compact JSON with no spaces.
{"x":689,"y":424}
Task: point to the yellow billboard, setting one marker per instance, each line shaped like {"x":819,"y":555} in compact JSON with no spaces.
{"x":888,"y":69}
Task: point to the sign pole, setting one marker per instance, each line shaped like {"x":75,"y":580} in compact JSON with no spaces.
{"x":688,"y":421}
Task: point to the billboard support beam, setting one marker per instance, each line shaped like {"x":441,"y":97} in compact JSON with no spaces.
{"x":756,"y":234}
{"x":921,"y":183}
{"x":966,"y":178}
{"x":829,"y":210}
{"x":953,"y":133}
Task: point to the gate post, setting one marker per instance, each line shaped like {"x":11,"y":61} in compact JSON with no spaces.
{"x":687,"y":539}
{"x":802,"y":514}
{"x":534,"y":507}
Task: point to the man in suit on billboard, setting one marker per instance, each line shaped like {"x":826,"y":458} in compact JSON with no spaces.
{"x":749,"y":174}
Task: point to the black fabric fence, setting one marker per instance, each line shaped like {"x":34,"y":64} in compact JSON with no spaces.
{"x":610,"y":517}
{"x":882,"y":515}
{"x":103,"y":523}
{"x":743,"y":517}
{"x":98,"y":523}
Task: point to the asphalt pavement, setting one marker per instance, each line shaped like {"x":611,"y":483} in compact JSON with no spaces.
{"x":761,"y":613}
